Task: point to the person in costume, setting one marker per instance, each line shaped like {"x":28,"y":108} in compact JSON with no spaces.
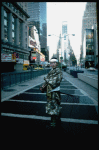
{"x":52,"y":86}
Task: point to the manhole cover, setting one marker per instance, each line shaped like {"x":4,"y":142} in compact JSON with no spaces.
{"x":23,"y":85}
{"x":9,"y":90}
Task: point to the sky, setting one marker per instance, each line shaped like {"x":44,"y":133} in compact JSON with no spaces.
{"x":72,"y":12}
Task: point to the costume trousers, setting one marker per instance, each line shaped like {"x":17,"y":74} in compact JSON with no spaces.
{"x":53,"y":107}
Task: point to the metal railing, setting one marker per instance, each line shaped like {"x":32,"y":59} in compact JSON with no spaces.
{"x":10,"y":79}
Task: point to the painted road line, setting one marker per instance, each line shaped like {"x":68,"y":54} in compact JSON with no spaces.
{"x":19,"y":92}
{"x":62,"y":103}
{"x":49,"y":118}
{"x":45,"y":93}
{"x":94,"y":101}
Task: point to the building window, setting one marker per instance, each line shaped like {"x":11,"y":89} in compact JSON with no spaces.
{"x":13,"y":29}
{"x":5,"y":26}
{"x":19,"y":33}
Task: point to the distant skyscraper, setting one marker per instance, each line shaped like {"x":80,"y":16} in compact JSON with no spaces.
{"x":38,"y":18}
{"x":65,"y":40}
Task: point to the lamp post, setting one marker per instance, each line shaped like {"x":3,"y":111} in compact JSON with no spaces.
{"x":61,"y":43}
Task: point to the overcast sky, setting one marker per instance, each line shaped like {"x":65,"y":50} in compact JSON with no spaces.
{"x":71,"y":12}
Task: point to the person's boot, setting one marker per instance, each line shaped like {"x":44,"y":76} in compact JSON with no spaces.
{"x":58,"y":120}
{"x":53,"y":121}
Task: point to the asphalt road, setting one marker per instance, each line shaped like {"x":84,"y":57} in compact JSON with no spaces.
{"x":24,"y":114}
{"x":85,"y":70}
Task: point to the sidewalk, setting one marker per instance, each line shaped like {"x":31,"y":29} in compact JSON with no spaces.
{"x":91,"y":91}
{"x":20,"y":88}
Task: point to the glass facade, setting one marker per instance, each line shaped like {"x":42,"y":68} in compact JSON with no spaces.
{"x":89,"y":48}
{"x":5,"y":26}
{"x":38,"y":18}
{"x":89,"y":42}
{"x":13,"y":29}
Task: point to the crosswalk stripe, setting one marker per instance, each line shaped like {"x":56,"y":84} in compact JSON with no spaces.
{"x":45,"y":93}
{"x":49,"y":118}
{"x":62,"y":103}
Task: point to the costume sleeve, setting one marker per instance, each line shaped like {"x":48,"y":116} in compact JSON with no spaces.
{"x":54,"y":79}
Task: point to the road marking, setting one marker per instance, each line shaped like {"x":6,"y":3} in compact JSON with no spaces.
{"x":60,"y":93}
{"x":26,"y":116}
{"x":34,"y":93}
{"x":79,"y":121}
{"x":94,"y":101}
{"x":60,"y":88}
{"x":26,"y":101}
{"x":62,"y":103}
{"x":49,"y":118}
{"x":66,"y":85}
{"x":45,"y":93}
{"x":4,"y":99}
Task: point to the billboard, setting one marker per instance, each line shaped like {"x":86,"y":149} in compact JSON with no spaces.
{"x":33,"y":55}
{"x":32,"y":42}
{"x":8,"y":57}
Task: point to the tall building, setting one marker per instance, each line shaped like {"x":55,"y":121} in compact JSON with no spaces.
{"x":14,"y":35}
{"x":65,"y":40}
{"x":38,"y":18}
{"x":89,"y":21}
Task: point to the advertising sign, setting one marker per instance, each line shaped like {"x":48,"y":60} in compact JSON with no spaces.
{"x":7,"y":58}
{"x":26,"y":62}
{"x":42,"y":58}
{"x":32,"y":42}
{"x":33,"y":55}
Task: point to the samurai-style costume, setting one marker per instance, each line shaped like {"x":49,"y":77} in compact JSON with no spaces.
{"x":52,"y":84}
{"x":53,"y":80}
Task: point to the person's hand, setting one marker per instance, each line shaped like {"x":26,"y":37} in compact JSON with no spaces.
{"x":41,"y":88}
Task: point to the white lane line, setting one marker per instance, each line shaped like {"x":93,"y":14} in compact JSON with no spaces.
{"x":26,"y":116}
{"x":66,"y":85}
{"x":26,"y":101}
{"x":45,"y":93}
{"x":34,"y":93}
{"x":62,"y":103}
{"x":49,"y":118}
{"x":4,"y":99}
{"x":94,"y":101}
{"x":79,"y":121}
{"x":60,"y":88}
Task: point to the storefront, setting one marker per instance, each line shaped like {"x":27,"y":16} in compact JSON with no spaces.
{"x":12,"y":61}
{"x":7,"y":61}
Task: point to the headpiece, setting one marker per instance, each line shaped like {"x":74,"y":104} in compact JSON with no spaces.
{"x":53,"y":59}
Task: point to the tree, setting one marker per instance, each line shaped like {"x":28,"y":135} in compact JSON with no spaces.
{"x":73,"y":58}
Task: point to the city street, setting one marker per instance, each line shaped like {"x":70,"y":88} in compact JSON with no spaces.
{"x":36,"y":37}
{"x":26,"y":113}
{"x":85,"y":70}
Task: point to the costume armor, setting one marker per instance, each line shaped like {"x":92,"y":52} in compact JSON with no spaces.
{"x":52,"y":83}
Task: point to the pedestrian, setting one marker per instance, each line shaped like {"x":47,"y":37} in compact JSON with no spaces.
{"x":52,"y":86}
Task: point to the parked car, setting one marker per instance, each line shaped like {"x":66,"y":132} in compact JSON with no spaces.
{"x":91,"y":69}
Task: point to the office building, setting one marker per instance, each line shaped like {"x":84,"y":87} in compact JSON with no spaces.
{"x":14,"y":35}
{"x":38,"y":18}
{"x":65,"y":50}
{"x":89,"y":24}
